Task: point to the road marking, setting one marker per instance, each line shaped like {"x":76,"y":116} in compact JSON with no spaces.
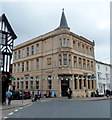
{"x":11,"y":113}
{"x":15,"y":110}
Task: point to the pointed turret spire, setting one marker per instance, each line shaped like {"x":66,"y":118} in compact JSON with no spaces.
{"x":63,"y":22}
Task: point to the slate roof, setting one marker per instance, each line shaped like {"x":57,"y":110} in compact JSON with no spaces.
{"x":63,"y":22}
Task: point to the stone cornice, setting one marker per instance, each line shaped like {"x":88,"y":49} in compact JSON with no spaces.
{"x":52,"y":34}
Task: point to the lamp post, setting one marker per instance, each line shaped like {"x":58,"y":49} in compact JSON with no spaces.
{"x":104,"y":88}
{"x":7,"y":37}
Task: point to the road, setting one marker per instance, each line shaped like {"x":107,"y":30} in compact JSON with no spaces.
{"x":65,"y":109}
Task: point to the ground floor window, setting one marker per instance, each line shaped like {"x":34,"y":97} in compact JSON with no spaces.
{"x":26,"y":84}
{"x":80,"y":83}
{"x":17,"y":85}
{"x":84,"y":82}
{"x":37,"y":84}
{"x":88,"y":84}
{"x":31,"y":84}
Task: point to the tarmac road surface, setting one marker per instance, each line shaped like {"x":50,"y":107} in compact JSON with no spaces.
{"x":65,"y":109}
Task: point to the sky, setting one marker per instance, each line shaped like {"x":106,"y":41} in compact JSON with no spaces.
{"x":87,"y":18}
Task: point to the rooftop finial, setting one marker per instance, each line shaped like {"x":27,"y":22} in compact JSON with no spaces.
{"x":63,"y":9}
{"x":63,"y":22}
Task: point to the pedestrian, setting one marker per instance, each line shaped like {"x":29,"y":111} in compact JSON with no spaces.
{"x":97,"y":93}
{"x":69,"y":93}
{"x":9,"y":96}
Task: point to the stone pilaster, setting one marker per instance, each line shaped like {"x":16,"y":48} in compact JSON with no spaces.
{"x":86,"y":82}
{"x":82,"y":83}
{"x":20,"y":84}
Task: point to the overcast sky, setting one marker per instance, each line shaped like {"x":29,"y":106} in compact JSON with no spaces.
{"x":90,"y":19}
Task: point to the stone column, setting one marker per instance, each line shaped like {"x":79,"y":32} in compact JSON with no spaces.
{"x":86,"y":82}
{"x":73,"y":83}
{"x":77,"y":63}
{"x":24,"y":84}
{"x":29,"y":84}
{"x":94,"y":84}
{"x":82,"y":83}
{"x":20,"y":84}
{"x":16,"y":85}
{"x":90,"y":83}
{"x":34,"y":83}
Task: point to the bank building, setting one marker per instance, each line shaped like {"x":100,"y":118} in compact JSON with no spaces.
{"x":55,"y":61}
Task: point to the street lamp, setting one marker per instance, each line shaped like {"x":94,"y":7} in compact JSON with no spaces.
{"x":7,"y":37}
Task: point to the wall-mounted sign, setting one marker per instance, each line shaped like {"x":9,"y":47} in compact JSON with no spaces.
{"x":85,"y":73}
{"x":27,"y":75}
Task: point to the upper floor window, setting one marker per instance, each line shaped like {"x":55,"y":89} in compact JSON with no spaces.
{"x":84,"y":64}
{"x":98,"y":67}
{"x":27,"y":66}
{"x":31,"y":85}
{"x":37,"y":48}
{"x":14,"y":68}
{"x":32,"y":49}
{"x":69,"y":61}
{"x":83,"y":49}
{"x":65,"y":59}
{"x":18,"y":67}
{"x":22,"y":66}
{"x":75,"y":62}
{"x":107,"y":76}
{"x":48,"y":61}
{"x":19,"y":54}
{"x":23,"y":52}
{"x":27,"y":51}
{"x":15,"y":55}
{"x":88,"y":64}
{"x":60,"y":60}
{"x":87,"y":49}
{"x":37,"y":63}
{"x":60,"y":42}
{"x":80,"y":63}
{"x":106,"y":68}
{"x":91,"y":65}
{"x":99,"y":75}
{"x":74,"y":44}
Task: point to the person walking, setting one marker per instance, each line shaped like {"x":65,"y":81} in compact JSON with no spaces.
{"x":9,"y":96}
{"x":69,"y":92}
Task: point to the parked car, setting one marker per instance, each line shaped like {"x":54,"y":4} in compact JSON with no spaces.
{"x":26,"y":95}
{"x":16,"y":95}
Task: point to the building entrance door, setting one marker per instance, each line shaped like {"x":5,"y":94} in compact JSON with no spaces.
{"x":64,"y":86}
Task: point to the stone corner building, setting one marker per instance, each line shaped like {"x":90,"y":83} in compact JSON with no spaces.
{"x":55,"y":61}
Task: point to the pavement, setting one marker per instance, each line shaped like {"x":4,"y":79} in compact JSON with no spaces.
{"x":15,"y":104}
{"x":20,"y":103}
